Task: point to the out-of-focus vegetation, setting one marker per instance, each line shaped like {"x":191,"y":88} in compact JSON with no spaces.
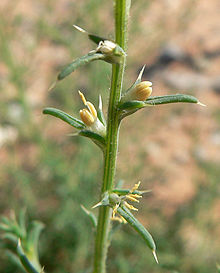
{"x":175,"y":151}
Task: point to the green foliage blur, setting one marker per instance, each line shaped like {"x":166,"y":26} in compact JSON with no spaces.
{"x":51,"y":174}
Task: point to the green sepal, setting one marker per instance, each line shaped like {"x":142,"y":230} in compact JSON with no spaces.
{"x":157,"y":100}
{"x":100,"y":114}
{"x":91,"y":56}
{"x":136,"y":82}
{"x":76,"y":123}
{"x":91,"y":216}
{"x":141,"y":230}
{"x":101,"y":117}
{"x":25,"y":261}
{"x":98,"y":139}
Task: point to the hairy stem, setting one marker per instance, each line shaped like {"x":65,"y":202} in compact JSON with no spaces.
{"x":101,"y":244}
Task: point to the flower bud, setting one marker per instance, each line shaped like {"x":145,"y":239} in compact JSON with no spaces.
{"x":86,"y":117}
{"x":140,"y":92}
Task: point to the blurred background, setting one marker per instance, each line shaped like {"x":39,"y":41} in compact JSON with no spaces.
{"x":173,"y":149}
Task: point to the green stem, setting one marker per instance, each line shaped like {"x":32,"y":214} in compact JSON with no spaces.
{"x":101,"y":244}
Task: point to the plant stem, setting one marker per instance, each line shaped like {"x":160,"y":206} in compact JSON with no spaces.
{"x":110,"y":156}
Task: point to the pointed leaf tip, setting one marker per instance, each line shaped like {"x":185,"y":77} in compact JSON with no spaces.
{"x":52,"y":86}
{"x":201,"y":104}
{"x":140,"y":74}
{"x":84,"y":209}
{"x":100,"y":102}
{"x":19,"y":242}
{"x":97,"y":205}
{"x":155,"y":256}
{"x":79,"y":29}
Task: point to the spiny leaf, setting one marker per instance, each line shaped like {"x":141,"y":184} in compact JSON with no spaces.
{"x":91,"y":56}
{"x":129,"y":107}
{"x":129,"y":217}
{"x":78,"y":124}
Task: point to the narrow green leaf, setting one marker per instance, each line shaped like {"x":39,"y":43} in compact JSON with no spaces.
{"x":96,"y":137}
{"x":91,"y":56}
{"x":157,"y":100}
{"x":24,"y":260}
{"x":129,"y":217}
{"x":78,"y":124}
{"x":129,"y":107}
